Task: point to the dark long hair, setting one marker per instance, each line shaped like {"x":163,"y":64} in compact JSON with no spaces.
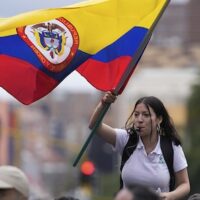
{"x":167,"y":125}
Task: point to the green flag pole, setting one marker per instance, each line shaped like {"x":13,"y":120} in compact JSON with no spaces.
{"x":99,"y":119}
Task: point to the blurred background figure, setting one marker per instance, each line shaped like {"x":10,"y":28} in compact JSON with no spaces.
{"x":194,"y":197}
{"x":143,"y":193}
{"x":124,"y":194}
{"x":136,"y":193}
{"x":66,"y":198}
{"x":13,"y":184}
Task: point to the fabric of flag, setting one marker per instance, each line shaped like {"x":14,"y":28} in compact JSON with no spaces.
{"x":98,"y":38}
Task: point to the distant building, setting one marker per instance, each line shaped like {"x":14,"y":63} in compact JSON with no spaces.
{"x":193,"y":22}
{"x":172,"y":29}
{"x":179,"y":24}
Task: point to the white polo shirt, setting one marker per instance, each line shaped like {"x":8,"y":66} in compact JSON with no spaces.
{"x":148,"y":170}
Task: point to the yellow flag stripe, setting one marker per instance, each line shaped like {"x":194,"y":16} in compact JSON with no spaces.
{"x":100,"y":21}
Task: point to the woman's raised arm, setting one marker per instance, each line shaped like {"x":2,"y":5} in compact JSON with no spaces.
{"x":104,"y":130}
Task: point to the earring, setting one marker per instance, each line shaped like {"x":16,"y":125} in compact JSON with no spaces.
{"x":159,"y":130}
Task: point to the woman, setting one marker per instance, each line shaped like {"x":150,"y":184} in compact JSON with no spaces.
{"x":146,"y":165}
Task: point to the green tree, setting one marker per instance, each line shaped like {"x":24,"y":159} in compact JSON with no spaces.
{"x":193,"y":130}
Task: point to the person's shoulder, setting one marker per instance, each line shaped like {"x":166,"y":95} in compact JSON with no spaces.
{"x":121,"y":131}
{"x":194,"y":197}
{"x":121,"y":139}
{"x":174,"y":143}
{"x":176,"y":146}
{"x":180,"y":161}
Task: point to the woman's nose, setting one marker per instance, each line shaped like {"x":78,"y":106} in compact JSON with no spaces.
{"x":140,"y":118}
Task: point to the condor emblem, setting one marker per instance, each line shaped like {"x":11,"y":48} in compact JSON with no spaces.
{"x":54,"y":42}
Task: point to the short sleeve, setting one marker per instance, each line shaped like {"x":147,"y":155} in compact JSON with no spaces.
{"x":180,"y":161}
{"x":121,"y":140}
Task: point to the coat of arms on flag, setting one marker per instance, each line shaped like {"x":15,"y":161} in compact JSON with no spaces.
{"x":54,"y":42}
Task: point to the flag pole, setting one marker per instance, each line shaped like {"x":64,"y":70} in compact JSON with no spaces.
{"x":93,"y":131}
{"x":122,"y":81}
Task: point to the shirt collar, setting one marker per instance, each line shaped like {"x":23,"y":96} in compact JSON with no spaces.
{"x":157,"y":149}
{"x":140,"y":144}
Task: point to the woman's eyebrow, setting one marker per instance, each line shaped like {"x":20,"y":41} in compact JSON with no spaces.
{"x":146,"y":111}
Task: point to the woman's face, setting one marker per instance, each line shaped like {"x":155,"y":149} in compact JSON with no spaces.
{"x":144,"y":121}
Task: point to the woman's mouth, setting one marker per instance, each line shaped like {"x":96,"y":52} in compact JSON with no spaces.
{"x":141,"y":128}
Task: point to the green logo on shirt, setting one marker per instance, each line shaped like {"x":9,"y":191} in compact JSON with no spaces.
{"x":161,"y":160}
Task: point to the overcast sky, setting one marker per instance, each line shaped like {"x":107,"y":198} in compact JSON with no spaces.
{"x":13,"y":7}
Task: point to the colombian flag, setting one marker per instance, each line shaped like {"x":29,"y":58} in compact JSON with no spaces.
{"x":102,"y":39}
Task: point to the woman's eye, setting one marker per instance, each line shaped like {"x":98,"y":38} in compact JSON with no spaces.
{"x":146,"y":114}
{"x":136,"y":114}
